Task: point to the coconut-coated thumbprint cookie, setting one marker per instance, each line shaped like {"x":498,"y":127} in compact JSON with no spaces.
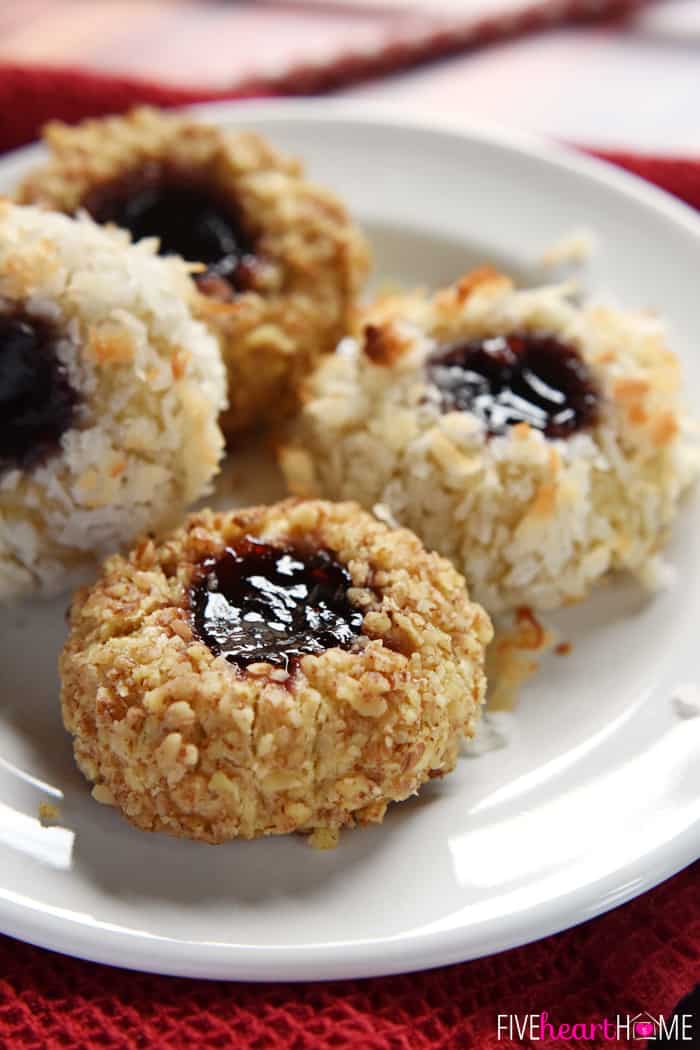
{"x":536,"y":443}
{"x":294,"y":667}
{"x":109,"y":396}
{"x":281,"y":260}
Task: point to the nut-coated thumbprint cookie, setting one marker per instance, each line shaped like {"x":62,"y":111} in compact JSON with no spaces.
{"x":537,"y":443}
{"x":286,"y":668}
{"x":109,"y":396}
{"x":280,"y":259}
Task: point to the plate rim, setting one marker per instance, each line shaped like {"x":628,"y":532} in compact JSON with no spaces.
{"x":84,"y":937}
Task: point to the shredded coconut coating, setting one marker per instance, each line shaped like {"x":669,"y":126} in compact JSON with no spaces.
{"x":314,"y":258}
{"x":527,"y":520}
{"x":150,"y":383}
{"x":184,"y":742}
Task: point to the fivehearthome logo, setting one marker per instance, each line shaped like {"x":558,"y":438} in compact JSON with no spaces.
{"x":641,"y":1026}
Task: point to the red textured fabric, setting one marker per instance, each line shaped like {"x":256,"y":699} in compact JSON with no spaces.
{"x":641,"y":957}
{"x":32,"y":95}
{"x":678,"y":175}
{"x":29,"y":96}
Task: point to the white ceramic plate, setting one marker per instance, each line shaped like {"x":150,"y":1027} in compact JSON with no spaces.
{"x":595,"y":798}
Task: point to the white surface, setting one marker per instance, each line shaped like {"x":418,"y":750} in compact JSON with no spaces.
{"x":635,"y":84}
{"x":595,"y":795}
{"x":461,"y":8}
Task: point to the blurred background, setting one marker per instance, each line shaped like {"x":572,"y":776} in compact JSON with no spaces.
{"x":607,"y":73}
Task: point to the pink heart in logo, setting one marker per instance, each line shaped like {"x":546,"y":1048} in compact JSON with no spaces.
{"x":643,"y":1028}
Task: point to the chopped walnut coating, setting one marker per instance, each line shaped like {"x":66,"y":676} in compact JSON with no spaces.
{"x":183,"y":741}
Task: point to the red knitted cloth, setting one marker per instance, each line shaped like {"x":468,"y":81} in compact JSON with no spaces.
{"x":641,"y":957}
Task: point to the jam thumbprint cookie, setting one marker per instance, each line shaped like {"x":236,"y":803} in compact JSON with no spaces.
{"x":536,"y":443}
{"x":109,"y":396}
{"x":286,"y":668}
{"x":280,"y":261}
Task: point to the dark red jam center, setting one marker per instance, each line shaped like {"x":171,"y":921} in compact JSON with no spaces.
{"x":37,"y":402}
{"x":521,"y":378}
{"x":265,"y":604}
{"x":189,"y":220}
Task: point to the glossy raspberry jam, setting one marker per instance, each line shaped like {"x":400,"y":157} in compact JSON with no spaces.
{"x":521,"y":378}
{"x":37,"y":402}
{"x":265,"y":604}
{"x":189,"y":220}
